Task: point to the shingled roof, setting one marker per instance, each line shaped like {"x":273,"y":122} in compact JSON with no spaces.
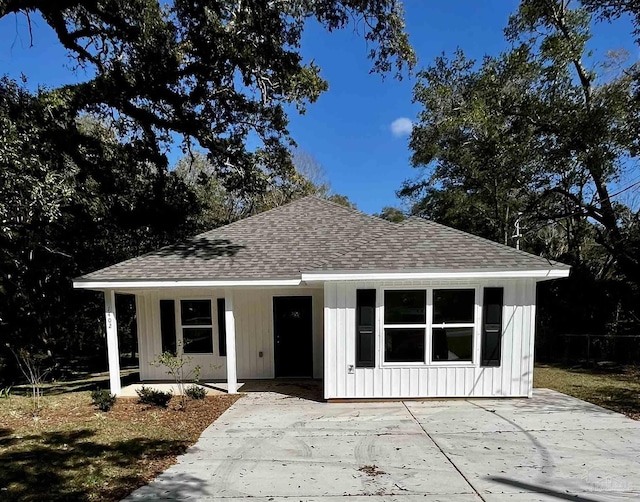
{"x":315,"y":235}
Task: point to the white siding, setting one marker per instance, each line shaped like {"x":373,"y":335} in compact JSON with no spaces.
{"x":253,"y":310}
{"x":450,"y":379}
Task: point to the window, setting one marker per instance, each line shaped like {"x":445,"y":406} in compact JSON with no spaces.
{"x":453,"y":324}
{"x":405,"y":324}
{"x":168,"y":325}
{"x":365,"y":328}
{"x":197,"y":326}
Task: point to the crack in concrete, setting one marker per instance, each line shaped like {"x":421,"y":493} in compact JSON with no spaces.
{"x":444,"y":453}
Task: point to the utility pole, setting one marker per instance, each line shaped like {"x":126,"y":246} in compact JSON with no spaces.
{"x":517,"y":235}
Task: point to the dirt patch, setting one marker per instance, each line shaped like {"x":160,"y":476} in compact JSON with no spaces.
{"x":371,"y":470}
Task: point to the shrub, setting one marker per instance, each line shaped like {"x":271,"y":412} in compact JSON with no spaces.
{"x":176,"y":366}
{"x":153,"y":397}
{"x":103,"y":399}
{"x":35,"y":367}
{"x":195,"y":392}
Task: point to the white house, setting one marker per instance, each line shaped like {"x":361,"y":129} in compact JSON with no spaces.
{"x":313,"y":289}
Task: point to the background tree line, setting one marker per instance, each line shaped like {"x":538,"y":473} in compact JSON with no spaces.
{"x":545,"y":134}
{"x":85,"y":179}
{"x":540,"y":132}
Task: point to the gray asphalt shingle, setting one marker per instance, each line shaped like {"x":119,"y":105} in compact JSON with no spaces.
{"x":313,"y":234}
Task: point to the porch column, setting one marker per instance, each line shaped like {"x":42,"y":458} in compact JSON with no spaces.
{"x":112,"y":341}
{"x":230,"y":324}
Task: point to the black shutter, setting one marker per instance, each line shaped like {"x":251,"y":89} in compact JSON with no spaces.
{"x":492,"y":326}
{"x":222,"y":328}
{"x":365,"y":328}
{"x":168,"y":325}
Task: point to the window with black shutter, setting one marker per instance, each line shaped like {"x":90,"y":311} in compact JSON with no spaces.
{"x":365,"y":328}
{"x":492,"y":326}
{"x":222,"y":328}
{"x":168,"y":325}
{"x":197,"y":326}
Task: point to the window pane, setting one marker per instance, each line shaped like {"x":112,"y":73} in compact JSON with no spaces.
{"x":452,"y":344}
{"x":405,"y":307}
{"x":195,"y":312}
{"x":453,"y":305}
{"x":404,"y":345}
{"x":197,"y":340}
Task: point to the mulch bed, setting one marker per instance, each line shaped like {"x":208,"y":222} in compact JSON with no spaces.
{"x":72,"y":451}
{"x":189,"y":423}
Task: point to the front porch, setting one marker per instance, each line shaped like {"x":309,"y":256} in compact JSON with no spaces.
{"x":231,"y":334}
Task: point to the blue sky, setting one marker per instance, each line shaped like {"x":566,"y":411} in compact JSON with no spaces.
{"x":349,"y":129}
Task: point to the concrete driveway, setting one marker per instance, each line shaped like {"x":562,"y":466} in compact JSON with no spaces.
{"x":275,"y":447}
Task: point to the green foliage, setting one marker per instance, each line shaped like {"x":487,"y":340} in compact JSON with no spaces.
{"x":87,"y":209}
{"x":530,"y":131}
{"x":83,"y":167}
{"x":153,"y":397}
{"x":212,"y":72}
{"x":221,"y":205}
{"x":610,"y":10}
{"x":103,"y":399}
{"x":541,"y":134}
{"x":178,"y":367}
{"x":392,"y":214}
{"x":343,"y":200}
{"x":5,"y":393}
{"x":195,"y":392}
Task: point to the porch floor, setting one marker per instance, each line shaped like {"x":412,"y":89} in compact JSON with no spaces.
{"x":303,"y":389}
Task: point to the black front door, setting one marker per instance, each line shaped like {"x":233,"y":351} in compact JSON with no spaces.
{"x":293,"y":336}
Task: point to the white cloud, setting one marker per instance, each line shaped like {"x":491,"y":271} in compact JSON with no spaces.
{"x":401,"y":127}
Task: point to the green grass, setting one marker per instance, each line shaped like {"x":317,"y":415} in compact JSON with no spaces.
{"x":617,"y":388}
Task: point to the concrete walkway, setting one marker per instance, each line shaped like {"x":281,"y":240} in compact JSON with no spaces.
{"x":274,"y":447}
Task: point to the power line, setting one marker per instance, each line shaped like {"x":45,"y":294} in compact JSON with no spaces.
{"x":555,"y":220}
{"x":636,"y":182}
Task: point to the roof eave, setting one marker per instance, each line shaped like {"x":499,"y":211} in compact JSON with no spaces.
{"x":539,"y":275}
{"x":125,"y":284}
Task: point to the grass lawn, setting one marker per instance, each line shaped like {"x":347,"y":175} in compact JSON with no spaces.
{"x":71,"y":451}
{"x":615,"y":388}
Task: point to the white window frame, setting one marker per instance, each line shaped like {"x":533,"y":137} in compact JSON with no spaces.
{"x":181,"y":328}
{"x":475,"y":325}
{"x":428,"y":327}
{"x":422,"y":326}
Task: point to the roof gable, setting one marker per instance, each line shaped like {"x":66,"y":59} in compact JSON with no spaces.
{"x":315,"y":235}
{"x":424,"y":245}
{"x":279,"y":243}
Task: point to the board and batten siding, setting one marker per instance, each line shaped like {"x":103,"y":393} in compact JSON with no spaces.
{"x":253,"y":309}
{"x":514,"y":377}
